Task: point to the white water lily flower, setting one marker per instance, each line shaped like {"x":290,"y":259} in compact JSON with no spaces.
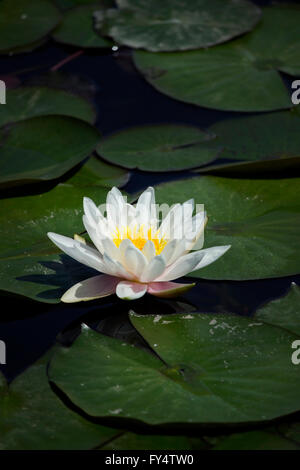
{"x":133,"y":252}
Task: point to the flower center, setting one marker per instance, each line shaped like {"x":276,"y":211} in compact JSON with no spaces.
{"x":139,"y":238}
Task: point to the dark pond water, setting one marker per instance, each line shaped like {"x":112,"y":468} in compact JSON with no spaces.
{"x":123,"y":99}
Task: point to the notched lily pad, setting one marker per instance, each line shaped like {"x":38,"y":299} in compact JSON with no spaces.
{"x":176,"y":24}
{"x":224,"y":369}
{"x":242,"y":75}
{"x":283,"y":312}
{"x":265,"y":143}
{"x":159,"y":148}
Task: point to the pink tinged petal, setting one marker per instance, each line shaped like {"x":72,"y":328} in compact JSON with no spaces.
{"x":149,"y":250}
{"x":211,"y":255}
{"x":134,"y":260}
{"x":154,"y":269}
{"x":182,"y":266}
{"x":79,"y":251}
{"x":127,"y":290}
{"x":92,"y":288}
{"x":168,"y":289}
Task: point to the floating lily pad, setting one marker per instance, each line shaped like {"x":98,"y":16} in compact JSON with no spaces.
{"x":77,"y":28}
{"x":131,"y":441}
{"x":224,"y":369}
{"x":26,"y":102}
{"x":159,"y":148}
{"x":247,"y":169}
{"x":177,"y":24}
{"x":269,"y":142}
{"x":34,"y":418}
{"x":28,"y":48}
{"x":98,"y":173}
{"x":43,"y":148}
{"x":260,"y":219}
{"x":242,"y":75}
{"x":256,"y":440}
{"x":283,"y":312}
{"x":67,"y":4}
{"x":32,"y":266}
{"x":23,"y":22}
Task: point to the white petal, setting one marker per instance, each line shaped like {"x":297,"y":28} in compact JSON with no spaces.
{"x":92,"y":212}
{"x":194,"y":233}
{"x":181,"y":267}
{"x":92,"y":288}
{"x":146,"y":210}
{"x":134,"y":260}
{"x":130,"y":214}
{"x":154,"y":269}
{"x":166,"y":229}
{"x":211,"y":255}
{"x":111,"y":249}
{"x":179,"y":249}
{"x":169,"y":250}
{"x":121,"y":208}
{"x":115,"y":268}
{"x":114,"y":205}
{"x":149,"y":250}
{"x":130,"y":290}
{"x":92,"y":230}
{"x":79,"y":251}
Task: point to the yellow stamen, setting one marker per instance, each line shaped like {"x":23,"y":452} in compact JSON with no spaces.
{"x":138,"y":238}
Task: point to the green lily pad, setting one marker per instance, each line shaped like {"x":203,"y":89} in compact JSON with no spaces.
{"x":131,"y":441}
{"x":67,"y":4}
{"x":34,"y":418}
{"x":247,"y":169}
{"x":207,"y":369}
{"x":177,"y":24}
{"x":32,"y":265}
{"x":260,"y":219}
{"x":24,"y":22}
{"x":77,"y":28}
{"x":27,"y":102}
{"x":159,"y":148}
{"x":265,"y":142}
{"x":291,"y":431}
{"x":98,"y":173}
{"x":283,"y":312}
{"x":242,"y":75}
{"x":27,"y":48}
{"x":43,"y":148}
{"x":256,"y":440}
